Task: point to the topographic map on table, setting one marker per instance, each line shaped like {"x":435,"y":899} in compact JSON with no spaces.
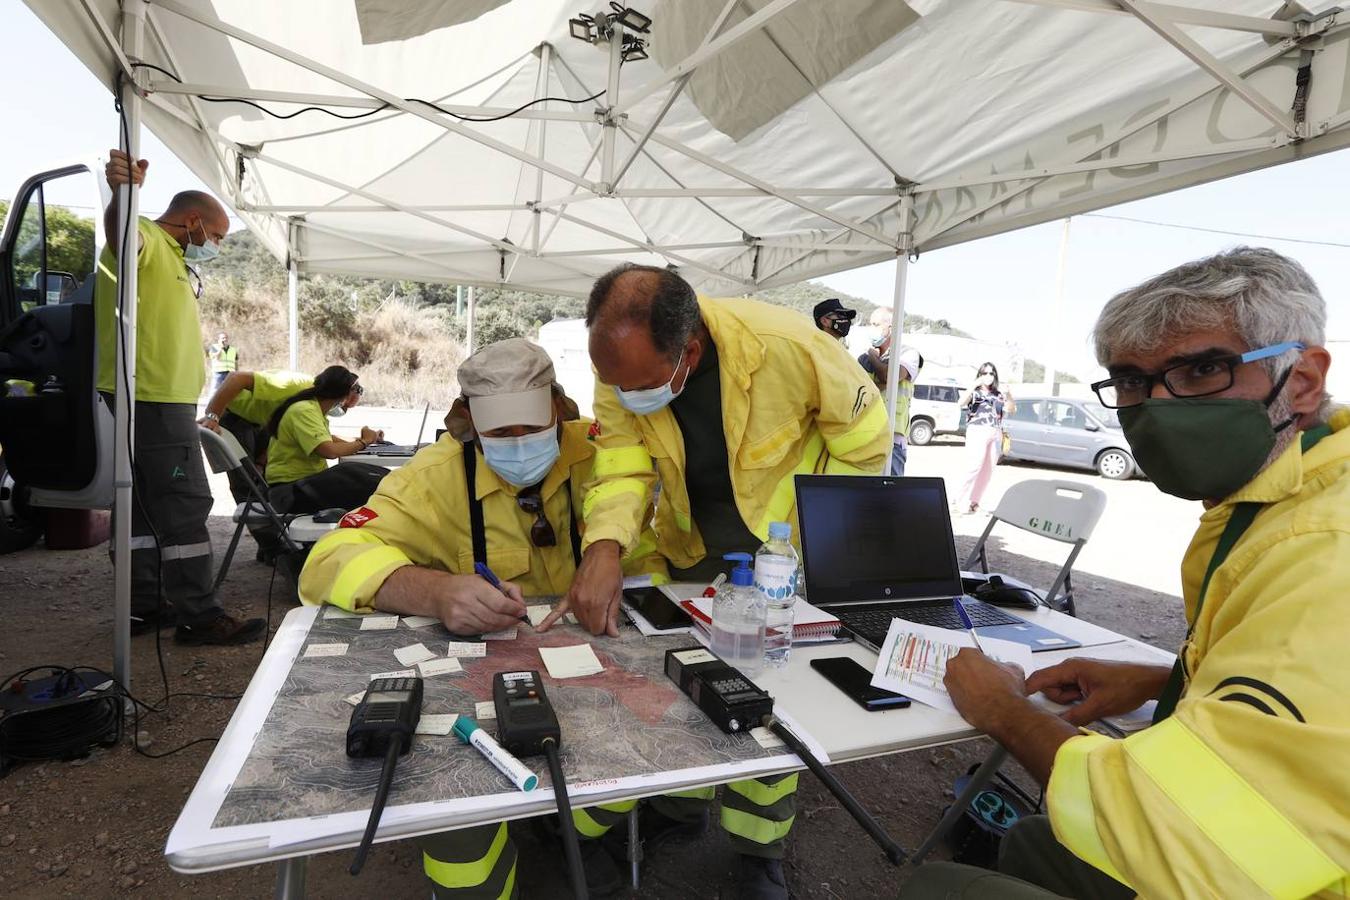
{"x":629,"y":720}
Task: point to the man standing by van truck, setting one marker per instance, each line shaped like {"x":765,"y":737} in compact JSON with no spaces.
{"x":877,"y":362}
{"x":170,"y":544}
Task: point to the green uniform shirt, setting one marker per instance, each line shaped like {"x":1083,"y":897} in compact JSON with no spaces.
{"x":270,"y":390}
{"x":225,"y":360}
{"x":290,"y":455}
{"x":169,"y":365}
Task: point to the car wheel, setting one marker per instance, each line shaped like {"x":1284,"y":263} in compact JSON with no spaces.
{"x":920,"y":432}
{"x":20,"y":524}
{"x":1115,"y":464}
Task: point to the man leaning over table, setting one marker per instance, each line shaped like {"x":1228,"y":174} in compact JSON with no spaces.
{"x":517,"y":451}
{"x":1240,"y":788}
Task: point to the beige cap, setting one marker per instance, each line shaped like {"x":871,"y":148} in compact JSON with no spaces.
{"x":507,"y":383}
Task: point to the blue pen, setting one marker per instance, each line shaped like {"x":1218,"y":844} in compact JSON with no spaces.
{"x":965,"y":620}
{"x":491,"y":578}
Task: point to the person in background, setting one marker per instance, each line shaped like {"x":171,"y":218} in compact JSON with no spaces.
{"x":1218,"y":371}
{"x":832,"y":318}
{"x":985,"y":405}
{"x":301,"y":445}
{"x":170,"y":543}
{"x":503,"y":486}
{"x":224,"y":359}
{"x":242,"y":405}
{"x":877,"y":362}
{"x":723,"y":402}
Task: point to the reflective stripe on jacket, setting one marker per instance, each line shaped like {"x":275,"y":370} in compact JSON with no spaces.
{"x":420,"y":516}
{"x":1243,"y":791}
{"x":793,"y":402}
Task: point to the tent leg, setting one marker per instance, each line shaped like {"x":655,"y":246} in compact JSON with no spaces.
{"x":124,"y":409}
{"x":468,"y":331}
{"x":292,"y":312}
{"x":1052,"y":348}
{"x":898,"y":315}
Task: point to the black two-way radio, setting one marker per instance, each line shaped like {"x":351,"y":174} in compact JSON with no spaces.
{"x":528,"y":726}
{"x":382,"y":725}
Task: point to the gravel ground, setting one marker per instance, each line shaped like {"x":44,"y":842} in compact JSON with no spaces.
{"x":96,"y":827}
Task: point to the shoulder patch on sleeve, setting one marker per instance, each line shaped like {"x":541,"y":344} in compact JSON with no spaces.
{"x":358,"y":517}
{"x":594,"y":431}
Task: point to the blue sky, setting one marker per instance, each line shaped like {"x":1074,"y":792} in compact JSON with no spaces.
{"x":998,"y":288}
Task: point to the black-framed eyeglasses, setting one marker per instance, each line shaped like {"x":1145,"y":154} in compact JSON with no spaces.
{"x":531,"y":502}
{"x":357,"y":389}
{"x":1201,"y":377}
{"x":195,"y":279}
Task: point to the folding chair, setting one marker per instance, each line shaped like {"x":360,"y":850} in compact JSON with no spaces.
{"x":225,"y":454}
{"x":1063,"y":511}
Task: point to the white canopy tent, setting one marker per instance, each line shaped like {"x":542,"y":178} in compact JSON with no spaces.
{"x":759,"y":143}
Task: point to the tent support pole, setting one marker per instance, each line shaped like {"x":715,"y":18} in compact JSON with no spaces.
{"x":610,"y":138}
{"x":1057,"y":313}
{"x":468,"y":331}
{"x":124,"y":415}
{"x":898,"y":314}
{"x":293,"y":312}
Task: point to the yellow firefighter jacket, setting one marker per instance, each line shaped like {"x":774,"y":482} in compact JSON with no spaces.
{"x":420,"y":516}
{"x":1245,"y":790}
{"x":793,"y":401}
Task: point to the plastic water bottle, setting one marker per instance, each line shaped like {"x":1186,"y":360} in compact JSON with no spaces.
{"x":738,"y":619}
{"x":776,"y":568}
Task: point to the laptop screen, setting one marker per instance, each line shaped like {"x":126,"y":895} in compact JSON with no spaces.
{"x":871,"y":538}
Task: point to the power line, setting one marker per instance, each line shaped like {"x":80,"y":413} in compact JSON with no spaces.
{"x":1243,"y":234}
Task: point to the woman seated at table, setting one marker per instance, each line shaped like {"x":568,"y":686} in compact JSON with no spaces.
{"x":301,"y":445}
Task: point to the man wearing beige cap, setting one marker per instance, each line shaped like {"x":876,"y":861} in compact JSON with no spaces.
{"x":503,"y":486}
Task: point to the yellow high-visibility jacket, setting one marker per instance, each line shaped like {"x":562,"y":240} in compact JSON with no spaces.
{"x":793,"y":401}
{"x":420,"y":516}
{"x":1245,"y":790}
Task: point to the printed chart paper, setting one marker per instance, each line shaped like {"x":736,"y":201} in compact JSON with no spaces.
{"x":913,"y":660}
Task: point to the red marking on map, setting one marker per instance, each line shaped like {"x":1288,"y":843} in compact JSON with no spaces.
{"x":647,"y":697}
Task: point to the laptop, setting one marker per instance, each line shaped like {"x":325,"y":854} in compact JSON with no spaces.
{"x":403,"y":449}
{"x":877,"y":548}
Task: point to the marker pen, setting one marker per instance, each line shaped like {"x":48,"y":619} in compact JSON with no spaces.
{"x":468,"y":731}
{"x":491,"y":578}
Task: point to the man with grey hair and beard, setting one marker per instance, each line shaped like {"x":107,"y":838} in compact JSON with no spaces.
{"x":1239,"y":788}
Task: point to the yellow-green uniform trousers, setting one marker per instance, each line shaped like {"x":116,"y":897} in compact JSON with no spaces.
{"x":793,"y":402}
{"x":170,"y":544}
{"x":419,"y":516}
{"x":1243,"y":791}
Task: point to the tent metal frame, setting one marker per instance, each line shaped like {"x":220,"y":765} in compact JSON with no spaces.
{"x":602,"y":175}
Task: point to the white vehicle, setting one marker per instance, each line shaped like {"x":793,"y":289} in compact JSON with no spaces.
{"x":934,"y":410}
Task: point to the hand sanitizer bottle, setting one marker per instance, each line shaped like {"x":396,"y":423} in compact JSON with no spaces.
{"x":738,"y":619}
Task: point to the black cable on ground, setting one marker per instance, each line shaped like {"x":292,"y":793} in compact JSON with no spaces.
{"x":568,"y":827}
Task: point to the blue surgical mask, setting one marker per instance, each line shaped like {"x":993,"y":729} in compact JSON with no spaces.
{"x":206,"y":251}
{"x":337,"y":412}
{"x":523,"y":461}
{"x":650,"y":400}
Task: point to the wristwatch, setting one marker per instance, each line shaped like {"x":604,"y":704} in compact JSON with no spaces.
{"x":212,"y":416}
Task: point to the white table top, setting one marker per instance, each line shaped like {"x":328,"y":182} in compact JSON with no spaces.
{"x":811,"y":706}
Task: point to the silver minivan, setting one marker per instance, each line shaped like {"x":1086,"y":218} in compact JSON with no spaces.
{"x":1063,"y":431}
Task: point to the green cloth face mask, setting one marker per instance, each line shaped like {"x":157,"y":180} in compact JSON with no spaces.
{"x":1202,"y":448}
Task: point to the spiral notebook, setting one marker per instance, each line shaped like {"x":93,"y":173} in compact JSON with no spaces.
{"x":808,"y":622}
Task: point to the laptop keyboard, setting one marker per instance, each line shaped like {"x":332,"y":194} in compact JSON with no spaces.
{"x":873,"y":622}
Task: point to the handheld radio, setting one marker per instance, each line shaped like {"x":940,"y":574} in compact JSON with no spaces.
{"x":528,"y":726}
{"x":382,"y":725}
{"x":525,"y":718}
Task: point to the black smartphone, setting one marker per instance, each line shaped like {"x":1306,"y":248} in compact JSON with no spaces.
{"x":658,"y":609}
{"x":855,"y":681}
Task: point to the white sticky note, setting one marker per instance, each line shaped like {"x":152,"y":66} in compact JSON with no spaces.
{"x":397,"y":673}
{"x":355,"y":699}
{"x":538,"y":614}
{"x":508,"y":634}
{"x":766,"y":738}
{"x":325,"y":650}
{"x":439,"y":723}
{"x":413,"y":654}
{"x":337,"y":612}
{"x":433,"y":667}
{"x":378,"y":623}
{"x":576,"y":661}
{"x":420,"y":621}
{"x":484,"y":709}
{"x":466,"y":649}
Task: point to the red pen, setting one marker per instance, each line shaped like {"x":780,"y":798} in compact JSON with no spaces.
{"x":711,"y":590}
